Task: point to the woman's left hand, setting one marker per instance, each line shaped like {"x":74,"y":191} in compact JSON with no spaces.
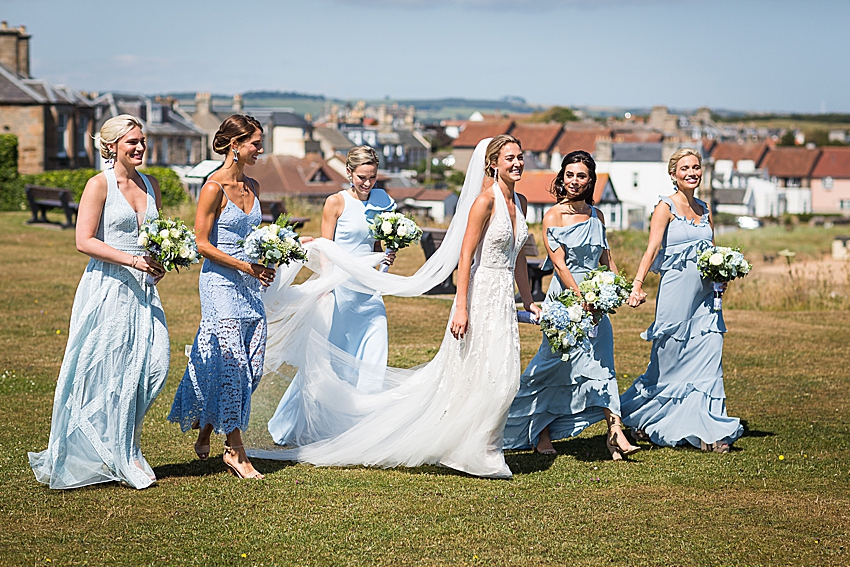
{"x":534,"y":310}
{"x":389,"y":257}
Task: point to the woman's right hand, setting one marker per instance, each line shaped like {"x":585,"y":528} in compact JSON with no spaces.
{"x":637,"y":296}
{"x":262,"y":273}
{"x":150,"y":266}
{"x":459,"y":323}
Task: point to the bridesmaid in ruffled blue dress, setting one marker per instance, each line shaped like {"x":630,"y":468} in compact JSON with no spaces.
{"x":117,"y":355}
{"x":359,"y":320}
{"x":680,"y":398}
{"x":226,"y":362}
{"x":558,"y":399}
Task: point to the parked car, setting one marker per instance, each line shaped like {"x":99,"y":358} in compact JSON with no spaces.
{"x":748,"y":223}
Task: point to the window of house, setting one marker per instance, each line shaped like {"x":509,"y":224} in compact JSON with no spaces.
{"x":189,"y":159}
{"x":827,"y":182}
{"x":61,"y":132}
{"x":635,"y":179}
{"x":793,"y":182}
{"x":399,"y":150}
{"x":149,"y":152}
{"x":163,"y":151}
{"x":82,"y":135}
{"x":613,"y":217}
{"x":844,"y":204}
{"x":388,"y":150}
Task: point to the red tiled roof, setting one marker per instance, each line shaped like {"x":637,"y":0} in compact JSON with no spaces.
{"x":537,"y":137}
{"x":790,"y":162}
{"x":833,"y":162}
{"x":638,"y":137}
{"x":290,"y":176}
{"x":535,"y":186}
{"x":580,"y":139}
{"x":735,"y":151}
{"x":477,"y":131}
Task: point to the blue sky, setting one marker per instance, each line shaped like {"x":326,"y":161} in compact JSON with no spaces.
{"x":757,"y":55}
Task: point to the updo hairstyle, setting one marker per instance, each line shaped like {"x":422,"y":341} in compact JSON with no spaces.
{"x":559,"y":191}
{"x":494,"y":148}
{"x":679,"y":154}
{"x":361,"y":155}
{"x":236,"y":128}
{"x":113,"y":130}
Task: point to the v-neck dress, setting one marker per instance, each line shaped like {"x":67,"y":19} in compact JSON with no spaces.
{"x":680,"y":398}
{"x":567,"y":396}
{"x":226,"y":361}
{"x":115,"y":363}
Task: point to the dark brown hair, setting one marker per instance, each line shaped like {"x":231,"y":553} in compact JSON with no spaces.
{"x":236,"y":128}
{"x":579,"y":156}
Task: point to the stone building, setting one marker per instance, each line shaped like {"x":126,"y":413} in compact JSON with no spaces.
{"x":54,"y":123}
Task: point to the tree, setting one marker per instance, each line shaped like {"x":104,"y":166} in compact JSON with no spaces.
{"x":558,"y":114}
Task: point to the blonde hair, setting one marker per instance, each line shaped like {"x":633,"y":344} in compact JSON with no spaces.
{"x":494,"y":148}
{"x":235,"y":128}
{"x":113,"y":130}
{"x":361,"y":155}
{"x":679,"y":154}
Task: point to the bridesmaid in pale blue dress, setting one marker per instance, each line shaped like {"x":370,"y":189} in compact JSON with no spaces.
{"x":558,"y":399}
{"x":680,"y":398}
{"x":117,"y":355}
{"x":359,"y":320}
{"x":226,"y":362}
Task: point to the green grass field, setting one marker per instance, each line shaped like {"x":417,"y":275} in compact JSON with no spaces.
{"x":782,"y":497}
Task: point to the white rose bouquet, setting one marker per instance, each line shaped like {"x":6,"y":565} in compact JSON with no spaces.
{"x":274,"y":244}
{"x":722,"y":264}
{"x":566,"y":323}
{"x":603,"y":291}
{"x":396,"y":231}
{"x":170,"y":242}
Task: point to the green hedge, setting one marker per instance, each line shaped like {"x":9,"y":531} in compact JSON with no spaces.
{"x":75,"y":180}
{"x":12,"y":196}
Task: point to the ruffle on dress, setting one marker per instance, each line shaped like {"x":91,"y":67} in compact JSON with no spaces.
{"x":684,"y":330}
{"x":675,"y":257}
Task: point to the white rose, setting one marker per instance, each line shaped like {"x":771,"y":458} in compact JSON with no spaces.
{"x":386,"y":227}
{"x":402,"y":230}
{"x":290,"y":241}
{"x":175,"y":233}
{"x":164,"y":233}
{"x":608,"y":278}
{"x":166,"y":244}
{"x":715,"y":259}
{"x":575,"y":312}
{"x":184,"y":252}
{"x":143,"y":239}
{"x":193,"y":256}
{"x":274,"y":229}
{"x":590,"y":297}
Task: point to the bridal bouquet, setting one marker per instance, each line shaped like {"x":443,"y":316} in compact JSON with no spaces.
{"x":603,"y":291}
{"x":274,"y":244}
{"x":395,"y":230}
{"x":170,"y":242}
{"x":566,"y":323}
{"x":722,"y":264}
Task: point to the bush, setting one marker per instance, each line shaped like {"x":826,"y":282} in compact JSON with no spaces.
{"x":172,"y":190}
{"x":12,"y":197}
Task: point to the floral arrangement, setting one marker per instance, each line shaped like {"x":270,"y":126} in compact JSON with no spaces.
{"x":722,"y":264}
{"x":604,"y":291}
{"x":566,"y":323}
{"x":395,"y":231}
{"x":170,"y":242}
{"x":274,"y":244}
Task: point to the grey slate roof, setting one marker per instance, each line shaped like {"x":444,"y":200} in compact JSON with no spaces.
{"x":337,"y":140}
{"x":650,"y":151}
{"x":15,"y":90}
{"x":729,"y":196}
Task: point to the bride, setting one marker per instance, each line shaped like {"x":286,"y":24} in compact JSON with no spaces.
{"x":450,"y":411}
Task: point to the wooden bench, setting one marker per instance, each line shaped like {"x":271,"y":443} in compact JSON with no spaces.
{"x":273,"y":209}
{"x":43,"y":198}
{"x":432,"y":238}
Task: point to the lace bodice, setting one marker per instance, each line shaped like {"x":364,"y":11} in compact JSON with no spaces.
{"x":501,"y":245}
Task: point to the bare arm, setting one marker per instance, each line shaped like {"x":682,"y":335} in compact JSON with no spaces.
{"x":606,"y":259}
{"x":661,"y":217}
{"x":334,"y":205}
{"x":88,"y":221}
{"x":479,"y":214}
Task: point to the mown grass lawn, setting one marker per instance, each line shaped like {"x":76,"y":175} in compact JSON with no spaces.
{"x":782,"y":497}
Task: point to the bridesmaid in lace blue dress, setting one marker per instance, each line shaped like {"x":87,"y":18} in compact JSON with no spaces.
{"x":359,"y":320}
{"x":226,"y":362}
{"x":680,"y":398}
{"x":117,"y":355}
{"x":558,"y":399}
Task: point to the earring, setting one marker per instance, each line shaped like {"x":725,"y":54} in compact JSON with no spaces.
{"x":235,"y":155}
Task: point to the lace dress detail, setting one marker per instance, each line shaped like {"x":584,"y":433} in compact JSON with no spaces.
{"x":451,"y":410}
{"x":226,"y":362}
{"x":115,"y":363}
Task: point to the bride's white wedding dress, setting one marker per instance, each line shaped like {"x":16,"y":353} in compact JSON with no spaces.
{"x":450,"y":411}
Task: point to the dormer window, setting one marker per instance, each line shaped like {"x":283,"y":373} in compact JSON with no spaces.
{"x":827,"y":182}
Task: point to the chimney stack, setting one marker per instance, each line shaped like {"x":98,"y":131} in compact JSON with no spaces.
{"x":237,"y":103}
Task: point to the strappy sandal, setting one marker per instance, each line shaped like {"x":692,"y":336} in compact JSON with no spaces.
{"x":228,"y":450}
{"x":617,"y":453}
{"x":203,"y":451}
